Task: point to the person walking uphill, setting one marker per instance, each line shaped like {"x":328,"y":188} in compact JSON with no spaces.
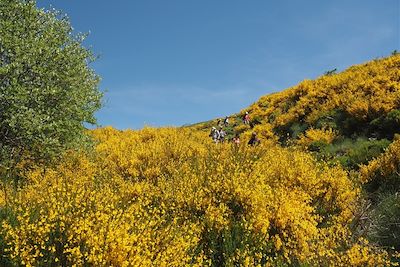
{"x":236,"y":140}
{"x":222,"y":135}
{"x":246,"y":118}
{"x":226,"y":121}
{"x":214,"y":134}
{"x":219,"y":123}
{"x":254,"y":139}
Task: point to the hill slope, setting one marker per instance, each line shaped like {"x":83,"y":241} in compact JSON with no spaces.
{"x":351,"y":118}
{"x":363,"y":100}
{"x":322,"y":188}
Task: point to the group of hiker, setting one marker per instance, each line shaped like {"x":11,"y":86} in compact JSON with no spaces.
{"x":218,"y":134}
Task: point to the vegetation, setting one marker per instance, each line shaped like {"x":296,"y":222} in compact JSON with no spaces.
{"x":351,"y":119}
{"x":47,"y":90}
{"x":322,"y":188}
{"x":170,"y":197}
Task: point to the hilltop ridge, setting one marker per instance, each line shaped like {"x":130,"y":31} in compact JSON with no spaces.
{"x":363,"y":100}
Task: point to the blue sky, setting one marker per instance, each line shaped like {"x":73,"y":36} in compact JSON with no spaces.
{"x":176,"y":62}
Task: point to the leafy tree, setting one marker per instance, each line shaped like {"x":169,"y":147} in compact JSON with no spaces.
{"x":48,"y":92}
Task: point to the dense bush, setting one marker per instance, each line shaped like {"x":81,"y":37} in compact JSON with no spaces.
{"x":386,"y":217}
{"x":382,"y":183}
{"x":351,"y":153}
{"x":347,"y":101}
{"x":169,"y":197}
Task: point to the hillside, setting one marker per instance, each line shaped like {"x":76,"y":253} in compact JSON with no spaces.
{"x":321,"y":189}
{"x":350,"y":118}
{"x":310,"y":176}
{"x":170,"y":197}
{"x":362,"y":100}
{"x":358,"y":107}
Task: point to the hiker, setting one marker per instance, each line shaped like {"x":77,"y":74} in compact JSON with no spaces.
{"x":226,"y":121}
{"x":236,"y":140}
{"x":214,"y":134}
{"x":219,"y":123}
{"x":222,"y":135}
{"x":254,"y":139}
{"x":246,"y":118}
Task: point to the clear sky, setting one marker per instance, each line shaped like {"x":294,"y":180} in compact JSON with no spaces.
{"x":184,"y":61}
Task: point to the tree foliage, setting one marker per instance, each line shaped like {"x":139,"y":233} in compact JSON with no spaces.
{"x":47,"y":89}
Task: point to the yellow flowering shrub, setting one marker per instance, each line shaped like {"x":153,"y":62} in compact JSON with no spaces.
{"x":361,"y":255}
{"x":385,"y":165}
{"x":316,"y":135}
{"x":264,"y":133}
{"x":363,"y":92}
{"x":73,"y":215}
{"x":151,"y":153}
{"x":242,"y":128}
{"x":170,"y":197}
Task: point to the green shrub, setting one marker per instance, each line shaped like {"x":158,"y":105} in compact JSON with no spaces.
{"x":386,"y":217}
{"x":317,"y":146}
{"x":387,"y":126}
{"x":351,"y":153}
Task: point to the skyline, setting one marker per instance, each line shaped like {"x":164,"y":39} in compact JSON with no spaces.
{"x":184,"y":62}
